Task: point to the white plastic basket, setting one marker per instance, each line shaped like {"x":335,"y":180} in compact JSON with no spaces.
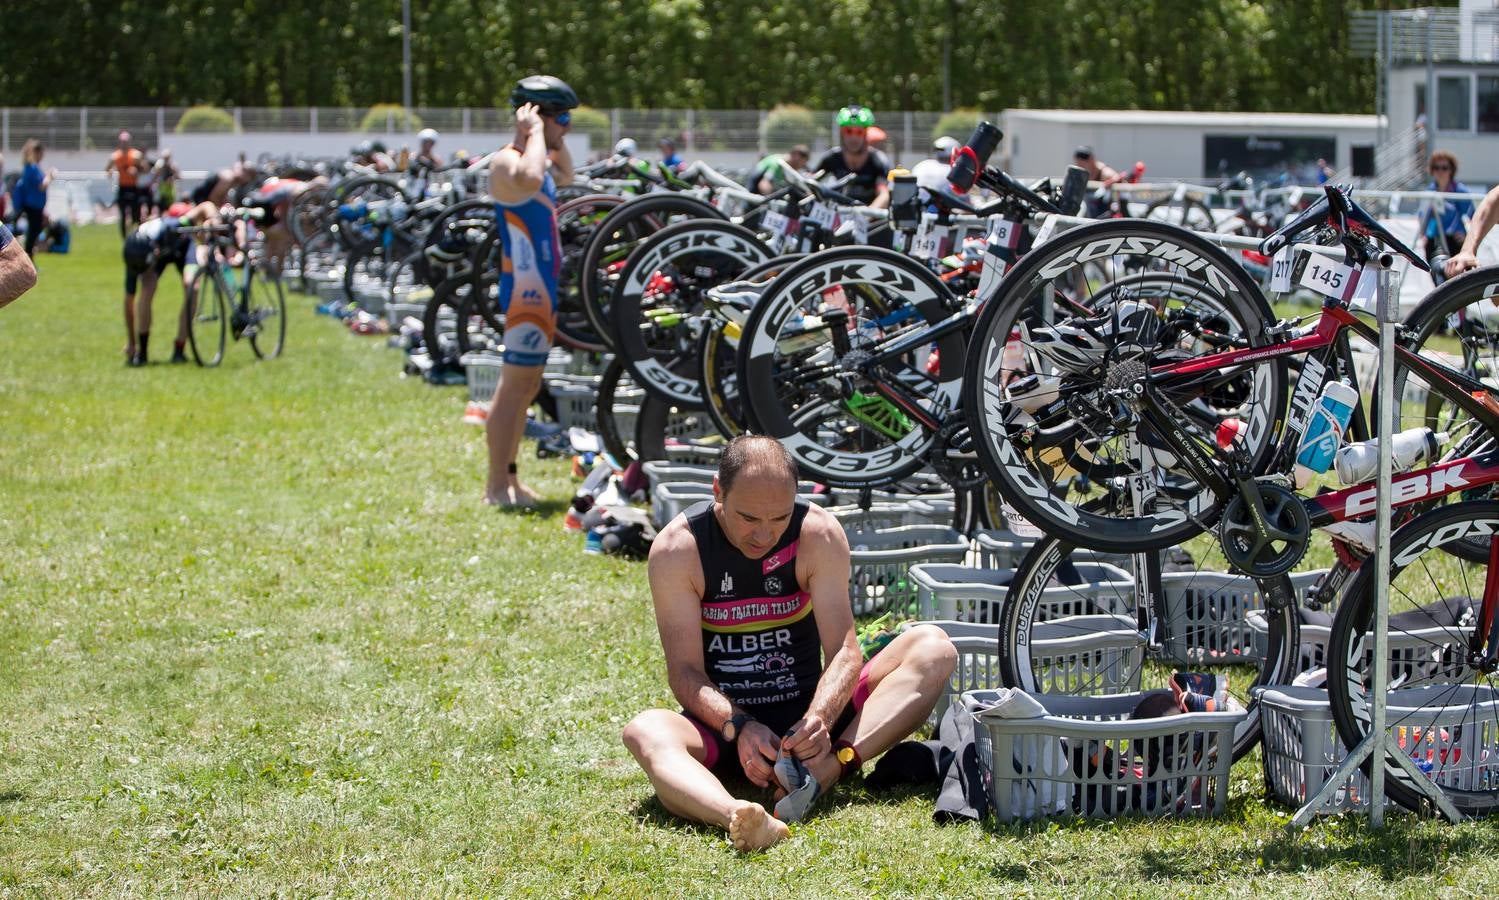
{"x":967,"y":594}
{"x":881,"y":580}
{"x":659,"y":471}
{"x":577,"y":399}
{"x":483,"y":373}
{"x":1209,"y":617}
{"x":1105,"y":656}
{"x":1078,"y":759}
{"x":1302,"y":748}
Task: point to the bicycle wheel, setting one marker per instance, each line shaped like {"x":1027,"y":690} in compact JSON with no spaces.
{"x":577,"y":220}
{"x":615,"y":411}
{"x":1055,"y":351}
{"x":207,"y":318}
{"x":616,"y":236}
{"x":440,"y":321}
{"x":1069,"y":625}
{"x":1443,"y":709}
{"x":659,"y":294}
{"x":1457,"y":325}
{"x":829,"y":412}
{"x":266,"y":328}
{"x":718,"y":352}
{"x":661,"y":425}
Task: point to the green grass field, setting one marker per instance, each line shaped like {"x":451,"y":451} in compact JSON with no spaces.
{"x":260,"y":637}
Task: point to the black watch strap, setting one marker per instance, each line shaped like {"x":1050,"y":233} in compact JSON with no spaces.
{"x":735,"y":726}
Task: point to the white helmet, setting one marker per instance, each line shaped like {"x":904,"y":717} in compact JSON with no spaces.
{"x":427,"y":134}
{"x":626,"y":147}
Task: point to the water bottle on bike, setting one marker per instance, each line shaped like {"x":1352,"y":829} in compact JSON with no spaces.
{"x":1324,"y":431}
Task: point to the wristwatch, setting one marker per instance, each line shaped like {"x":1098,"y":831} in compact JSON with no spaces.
{"x":735,"y":727}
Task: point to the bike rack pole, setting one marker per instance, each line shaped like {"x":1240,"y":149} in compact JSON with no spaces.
{"x":1378,"y":739}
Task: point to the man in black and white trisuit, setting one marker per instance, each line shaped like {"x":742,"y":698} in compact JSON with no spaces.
{"x":149,"y":250}
{"x":751,"y":599}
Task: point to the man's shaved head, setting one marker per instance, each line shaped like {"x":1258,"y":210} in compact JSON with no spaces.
{"x":755,"y":455}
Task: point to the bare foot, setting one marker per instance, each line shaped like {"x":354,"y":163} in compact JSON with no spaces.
{"x":520,"y":495}
{"x":752,"y":828}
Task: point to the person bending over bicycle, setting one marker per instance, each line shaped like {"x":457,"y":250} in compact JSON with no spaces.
{"x":856,"y":157}
{"x":1478,"y":229}
{"x":274,"y":198}
{"x":523,"y":179}
{"x":751,"y":599}
{"x":216,"y":188}
{"x":150,"y":248}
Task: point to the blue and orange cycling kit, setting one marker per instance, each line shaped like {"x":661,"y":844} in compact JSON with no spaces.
{"x":529,"y":269}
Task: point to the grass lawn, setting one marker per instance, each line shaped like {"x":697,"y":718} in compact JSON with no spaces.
{"x":260,"y":637}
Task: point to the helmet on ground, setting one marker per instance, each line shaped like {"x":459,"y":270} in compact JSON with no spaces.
{"x":626,"y":147}
{"x":855,"y":117}
{"x":427,"y":134}
{"x":546,"y":91}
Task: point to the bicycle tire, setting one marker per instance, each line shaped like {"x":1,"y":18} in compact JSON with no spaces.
{"x":659,"y":420}
{"x":1208,"y":284}
{"x":577,"y":220}
{"x":1034,"y":646}
{"x":1462,"y":307}
{"x":1455,"y":710}
{"x":619,"y":232}
{"x":718,"y":356}
{"x":618,"y":398}
{"x":439,"y":332}
{"x":267,"y":305}
{"x":807,"y":417}
{"x":207,"y":318}
{"x":693,"y":257}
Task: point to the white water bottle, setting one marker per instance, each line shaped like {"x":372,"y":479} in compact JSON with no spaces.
{"x":1359,"y":462}
{"x":1324,"y":431}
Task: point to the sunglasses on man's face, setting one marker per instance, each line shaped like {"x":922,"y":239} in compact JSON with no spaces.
{"x":565,"y":117}
{"x":1441,"y":168}
{"x":855,"y":130}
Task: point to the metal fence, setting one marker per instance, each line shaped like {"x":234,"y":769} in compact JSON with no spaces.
{"x":96,"y":128}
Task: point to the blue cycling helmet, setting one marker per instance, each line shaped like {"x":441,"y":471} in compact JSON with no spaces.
{"x":546,"y":91}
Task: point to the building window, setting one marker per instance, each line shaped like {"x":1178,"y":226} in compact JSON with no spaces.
{"x":1452,"y":103}
{"x":1488,"y":103}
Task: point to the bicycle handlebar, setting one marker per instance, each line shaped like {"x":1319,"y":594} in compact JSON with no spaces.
{"x":1337,"y":209}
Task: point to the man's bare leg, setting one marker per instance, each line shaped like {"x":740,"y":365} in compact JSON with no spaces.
{"x":905,"y":680}
{"x":671,"y":752}
{"x":503,"y":430}
{"x":129,"y":326}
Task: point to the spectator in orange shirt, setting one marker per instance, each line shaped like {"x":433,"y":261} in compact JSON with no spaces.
{"x":127,"y":161}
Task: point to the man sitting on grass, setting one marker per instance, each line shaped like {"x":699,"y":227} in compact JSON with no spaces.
{"x":751,"y":598}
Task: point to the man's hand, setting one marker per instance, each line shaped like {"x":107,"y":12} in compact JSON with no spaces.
{"x":757,"y":749}
{"x":1461,"y":263}
{"x":528,"y":119}
{"x":808,"y":738}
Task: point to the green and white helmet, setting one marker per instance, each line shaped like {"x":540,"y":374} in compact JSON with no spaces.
{"x":855,"y":117}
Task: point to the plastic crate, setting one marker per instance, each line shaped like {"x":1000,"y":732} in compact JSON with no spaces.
{"x":878,"y":517}
{"x":969,"y":594}
{"x":660,"y":471}
{"x":371,"y":296}
{"x":397,"y":314}
{"x":881,"y":580}
{"x":1104,"y":654}
{"x":483,"y":373}
{"x":1209,"y":622}
{"x":1302,"y":747}
{"x":1417,"y":655}
{"x":1079,"y":758}
{"x":577,"y":398}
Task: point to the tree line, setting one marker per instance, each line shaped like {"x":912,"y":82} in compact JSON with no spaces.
{"x":1237,"y":55}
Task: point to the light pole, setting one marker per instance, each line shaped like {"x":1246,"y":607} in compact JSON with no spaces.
{"x":406,"y":57}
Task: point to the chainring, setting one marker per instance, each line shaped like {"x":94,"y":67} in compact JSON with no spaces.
{"x":961,"y":474}
{"x":1260,"y":555}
